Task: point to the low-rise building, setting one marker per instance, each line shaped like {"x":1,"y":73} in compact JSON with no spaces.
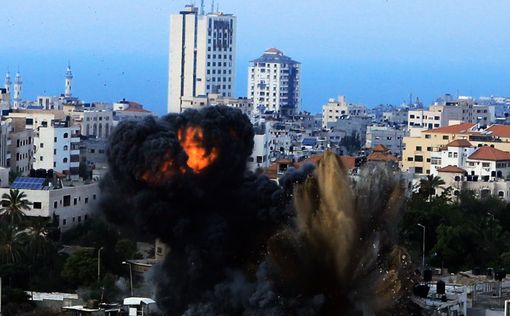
{"x":335,"y":109}
{"x":22,"y":146}
{"x":214,"y":99}
{"x":69,"y":203}
{"x":391,"y":138}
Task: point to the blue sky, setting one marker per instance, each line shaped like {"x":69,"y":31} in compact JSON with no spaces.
{"x":372,"y":51}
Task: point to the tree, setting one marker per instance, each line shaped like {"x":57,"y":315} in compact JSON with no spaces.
{"x":11,"y":244}
{"x":429,"y":185}
{"x":80,"y":268}
{"x":14,"y":204}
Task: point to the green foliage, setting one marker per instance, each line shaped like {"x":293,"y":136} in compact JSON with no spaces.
{"x":80,"y":268}
{"x":461,"y":234}
{"x":14,"y":205}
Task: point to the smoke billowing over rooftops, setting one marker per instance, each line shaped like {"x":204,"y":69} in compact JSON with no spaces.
{"x":241,"y":244}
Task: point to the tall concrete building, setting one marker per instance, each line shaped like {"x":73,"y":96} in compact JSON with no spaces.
{"x":202,"y":55}
{"x":274,"y":83}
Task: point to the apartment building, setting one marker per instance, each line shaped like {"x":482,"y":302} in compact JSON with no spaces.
{"x":21,"y":147}
{"x":214,"y":99}
{"x":274,"y":83}
{"x":57,"y":148}
{"x":391,"y":138}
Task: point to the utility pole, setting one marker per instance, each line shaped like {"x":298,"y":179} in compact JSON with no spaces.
{"x":423,"y":249}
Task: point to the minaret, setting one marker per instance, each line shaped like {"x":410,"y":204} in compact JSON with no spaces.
{"x":69,"y":79}
{"x":17,"y":91}
{"x":7,"y":87}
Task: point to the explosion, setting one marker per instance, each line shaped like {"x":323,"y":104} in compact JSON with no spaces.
{"x":191,"y":139}
{"x":318,"y":244}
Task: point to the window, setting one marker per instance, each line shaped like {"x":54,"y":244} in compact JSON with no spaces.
{"x":37,"y":205}
{"x":67,"y":200}
{"x":66,"y":135}
{"x":418,"y":148}
{"x":94,"y":197}
{"x":40,"y":158}
{"x":66,"y":147}
{"x":86,"y":200}
{"x":79,"y":219}
{"x":429,"y":148}
{"x":64,"y":221}
{"x":55,"y":139}
{"x":427,"y":136}
{"x":449,"y":154}
{"x":445,"y":137}
{"x":55,"y":204}
{"x":64,"y":160}
{"x":418,"y":158}
{"x":501,"y":193}
{"x":455,"y":155}
{"x":486,"y":164}
{"x":75,"y":201}
{"x":418,"y":170}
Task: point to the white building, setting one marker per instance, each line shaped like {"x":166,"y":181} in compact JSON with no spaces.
{"x":274,"y":83}
{"x":260,"y":155}
{"x":440,"y":115}
{"x":335,"y":109}
{"x":389,"y":137}
{"x":5,"y":143}
{"x":5,"y":93}
{"x":202,"y":55}
{"x":71,"y":204}
{"x":57,"y":148}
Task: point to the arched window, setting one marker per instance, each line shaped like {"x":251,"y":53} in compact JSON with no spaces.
{"x":65,"y":160}
{"x":107,"y":130}
{"x":88,"y":130}
{"x":94,"y":131}
{"x":66,"y":135}
{"x":66,"y":147}
{"x":100,"y":132}
{"x":501,"y":193}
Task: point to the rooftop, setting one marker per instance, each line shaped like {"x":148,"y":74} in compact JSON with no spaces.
{"x":451,"y":169}
{"x":460,"y":143}
{"x":462,"y":128}
{"x":499,"y":130}
{"x":490,"y":153}
{"x":274,"y":55}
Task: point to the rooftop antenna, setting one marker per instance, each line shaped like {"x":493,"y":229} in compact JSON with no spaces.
{"x":218,"y":7}
{"x":212,"y":6}
{"x":202,"y":7}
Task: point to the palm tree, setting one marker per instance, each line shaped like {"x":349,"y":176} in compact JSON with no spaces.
{"x":11,"y":244}
{"x":37,"y":241}
{"x":429,"y":185}
{"x":14,"y":204}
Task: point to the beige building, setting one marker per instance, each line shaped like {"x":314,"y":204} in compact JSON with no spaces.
{"x":419,"y":147}
{"x":212,"y":99}
{"x":22,"y":146}
{"x":335,"y":109}
{"x":93,"y":123}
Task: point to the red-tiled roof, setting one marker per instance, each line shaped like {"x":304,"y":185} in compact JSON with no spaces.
{"x":460,"y":143}
{"x":311,"y":160}
{"x":453,"y":129}
{"x":380,"y":148}
{"x":451,"y":169}
{"x":273,"y":50}
{"x":490,"y":153}
{"x":499,"y":130}
{"x":379,"y":156}
{"x":349,"y":162}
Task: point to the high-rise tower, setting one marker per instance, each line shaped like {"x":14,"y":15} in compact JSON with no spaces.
{"x":17,"y":90}
{"x":202,"y":55}
{"x":69,"y":79}
{"x":274,"y":82}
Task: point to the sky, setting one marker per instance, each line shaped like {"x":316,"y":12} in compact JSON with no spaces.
{"x":371,"y":51}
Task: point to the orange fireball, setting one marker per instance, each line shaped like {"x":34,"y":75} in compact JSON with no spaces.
{"x":191,"y":140}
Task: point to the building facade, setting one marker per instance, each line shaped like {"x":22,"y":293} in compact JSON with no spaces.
{"x":274,"y":83}
{"x":202,"y":55}
{"x":335,"y":109}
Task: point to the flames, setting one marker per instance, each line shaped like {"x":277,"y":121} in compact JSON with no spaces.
{"x":191,"y":139}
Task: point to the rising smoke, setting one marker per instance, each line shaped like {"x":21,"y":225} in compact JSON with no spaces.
{"x":242,"y":245}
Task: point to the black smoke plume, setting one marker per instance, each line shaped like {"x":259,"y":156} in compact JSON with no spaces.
{"x":242,"y":245}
